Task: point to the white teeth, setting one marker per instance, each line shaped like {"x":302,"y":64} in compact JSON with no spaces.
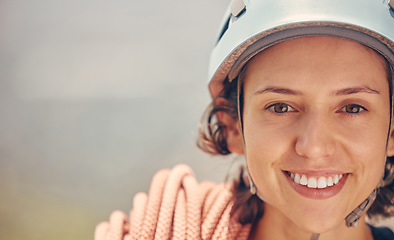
{"x":313,"y":182}
{"x":336,"y":179}
{"x":297,"y":178}
{"x":303,"y":180}
{"x":322,"y":183}
{"x":330,"y":182}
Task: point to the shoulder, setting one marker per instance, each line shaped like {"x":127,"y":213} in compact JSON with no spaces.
{"x":177,"y":207}
{"x":382,"y":233}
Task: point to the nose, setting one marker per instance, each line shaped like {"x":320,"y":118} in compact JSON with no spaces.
{"x":315,"y":139}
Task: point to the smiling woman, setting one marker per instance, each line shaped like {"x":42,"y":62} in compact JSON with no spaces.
{"x":312,"y":134}
{"x":307,"y":100}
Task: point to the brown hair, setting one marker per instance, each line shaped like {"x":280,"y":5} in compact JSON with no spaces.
{"x":212,"y":139}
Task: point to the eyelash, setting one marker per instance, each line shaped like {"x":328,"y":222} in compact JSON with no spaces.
{"x":273,"y":110}
{"x":360,"y":109}
{"x":289,"y":108}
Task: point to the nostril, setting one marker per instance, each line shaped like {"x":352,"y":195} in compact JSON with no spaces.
{"x":314,"y":146}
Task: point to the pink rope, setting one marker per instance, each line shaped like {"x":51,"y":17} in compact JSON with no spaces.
{"x":137,"y":214}
{"x":153,"y":206}
{"x":177,"y":208}
{"x":179,"y":229}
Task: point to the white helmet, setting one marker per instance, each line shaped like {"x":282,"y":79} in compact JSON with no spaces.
{"x":250,"y":26}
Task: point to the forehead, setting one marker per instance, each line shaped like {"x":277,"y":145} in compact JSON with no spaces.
{"x":328,"y":59}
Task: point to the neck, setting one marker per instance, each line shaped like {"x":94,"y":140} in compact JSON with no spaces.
{"x":276,"y":226}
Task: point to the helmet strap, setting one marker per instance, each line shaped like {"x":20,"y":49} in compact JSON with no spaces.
{"x":354,"y":216}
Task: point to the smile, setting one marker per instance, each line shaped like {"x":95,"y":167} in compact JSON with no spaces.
{"x":315,"y":182}
{"x":316,"y":186}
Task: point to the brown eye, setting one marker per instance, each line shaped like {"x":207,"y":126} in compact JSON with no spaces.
{"x":281,"y":108}
{"x":353,"y":108}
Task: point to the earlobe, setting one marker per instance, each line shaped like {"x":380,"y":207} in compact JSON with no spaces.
{"x":233,"y":133}
{"x":235,"y":141}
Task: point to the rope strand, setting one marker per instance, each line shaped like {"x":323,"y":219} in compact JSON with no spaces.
{"x":177,"y":208}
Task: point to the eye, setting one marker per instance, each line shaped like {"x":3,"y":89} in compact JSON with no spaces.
{"x":352,"y":108}
{"x":281,"y":108}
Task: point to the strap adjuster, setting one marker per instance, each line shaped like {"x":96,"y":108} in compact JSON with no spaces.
{"x":237,"y":6}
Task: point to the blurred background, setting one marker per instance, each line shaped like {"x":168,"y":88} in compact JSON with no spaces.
{"x":95,"y":97}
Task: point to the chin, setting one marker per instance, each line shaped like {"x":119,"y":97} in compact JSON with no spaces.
{"x":322,"y":226}
{"x":320,"y":221}
{"x":315,"y":217}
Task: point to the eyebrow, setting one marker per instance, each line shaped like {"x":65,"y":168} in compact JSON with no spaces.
{"x":340,"y":92}
{"x":354,"y":90}
{"x":270,"y":89}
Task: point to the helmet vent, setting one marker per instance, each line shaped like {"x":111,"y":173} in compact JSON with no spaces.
{"x":232,"y":18}
{"x":224,"y":29}
{"x":237,"y":9}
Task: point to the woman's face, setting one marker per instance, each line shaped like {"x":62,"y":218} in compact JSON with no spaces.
{"x":316,"y":123}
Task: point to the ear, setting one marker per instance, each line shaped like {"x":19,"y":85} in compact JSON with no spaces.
{"x":234,"y":135}
{"x":390,"y":144}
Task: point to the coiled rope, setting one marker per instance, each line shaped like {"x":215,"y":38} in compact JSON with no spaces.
{"x":177,"y":207}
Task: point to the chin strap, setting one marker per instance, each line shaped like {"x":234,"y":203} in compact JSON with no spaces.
{"x":352,"y":219}
{"x":315,"y":236}
{"x":354,"y":216}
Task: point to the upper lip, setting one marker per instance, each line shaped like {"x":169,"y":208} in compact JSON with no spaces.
{"x":317,"y":173}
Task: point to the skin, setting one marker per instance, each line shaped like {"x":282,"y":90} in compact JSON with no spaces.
{"x":314,"y":104}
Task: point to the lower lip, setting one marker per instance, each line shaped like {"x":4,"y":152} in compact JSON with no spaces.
{"x":317,"y":193}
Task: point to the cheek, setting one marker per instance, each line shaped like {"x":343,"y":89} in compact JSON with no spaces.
{"x":367,"y":145}
{"x":368,"y":160}
{"x":262,"y":144}
{"x":368,"y":156}
{"x":266,"y":148}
